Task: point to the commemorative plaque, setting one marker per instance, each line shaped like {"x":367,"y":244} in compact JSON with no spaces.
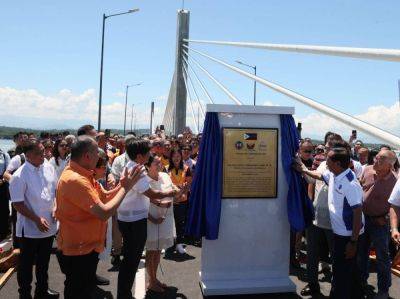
{"x":250,"y":163}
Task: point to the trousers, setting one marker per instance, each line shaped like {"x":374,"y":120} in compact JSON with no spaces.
{"x":180,"y":215}
{"x":33,"y":251}
{"x":378,"y":236}
{"x":80,"y":274}
{"x":134,"y":235}
{"x":345,"y":275}
{"x":315,"y":236}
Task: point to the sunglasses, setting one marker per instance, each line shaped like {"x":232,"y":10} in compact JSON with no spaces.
{"x":63,"y":145}
{"x":308,"y":151}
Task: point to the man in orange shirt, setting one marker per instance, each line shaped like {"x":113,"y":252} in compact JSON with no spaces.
{"x":82,"y":210}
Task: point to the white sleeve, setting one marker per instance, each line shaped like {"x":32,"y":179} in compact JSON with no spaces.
{"x":116,"y":168}
{"x":17,"y":188}
{"x":394,"y":198}
{"x":358,"y":169}
{"x":143,"y":184}
{"x":326,"y":175}
{"x":15,"y":163}
{"x":354,"y":194}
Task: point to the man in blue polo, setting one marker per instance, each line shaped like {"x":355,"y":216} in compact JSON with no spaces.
{"x":345,"y":210}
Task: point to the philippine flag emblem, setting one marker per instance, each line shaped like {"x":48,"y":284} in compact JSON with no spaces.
{"x":250,"y":136}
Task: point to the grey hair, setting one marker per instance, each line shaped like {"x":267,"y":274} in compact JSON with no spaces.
{"x":81,"y":146}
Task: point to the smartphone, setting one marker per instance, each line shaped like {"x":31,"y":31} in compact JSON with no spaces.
{"x":162,"y":128}
{"x":354,"y":133}
{"x":107,"y":132}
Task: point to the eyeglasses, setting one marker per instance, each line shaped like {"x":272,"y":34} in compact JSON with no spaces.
{"x":308,"y":151}
{"x":63,"y":145}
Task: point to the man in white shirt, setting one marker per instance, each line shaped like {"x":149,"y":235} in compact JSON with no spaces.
{"x":117,"y":169}
{"x":32,"y":191}
{"x":132,"y":217}
{"x":394,"y":212}
{"x":345,"y":208}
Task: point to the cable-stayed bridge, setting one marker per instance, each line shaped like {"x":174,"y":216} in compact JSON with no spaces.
{"x":188,"y":87}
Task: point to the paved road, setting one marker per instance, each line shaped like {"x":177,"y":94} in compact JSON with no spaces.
{"x":182,"y":273}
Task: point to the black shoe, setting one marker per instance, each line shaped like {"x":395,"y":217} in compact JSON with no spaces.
{"x":116,"y":260}
{"x":310,"y":289}
{"x":101,"y":281}
{"x":46,"y":294}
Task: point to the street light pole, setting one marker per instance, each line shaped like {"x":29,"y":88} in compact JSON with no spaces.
{"x":255,"y":84}
{"x":101,"y":61}
{"x":101,"y":75}
{"x":254,"y":67}
{"x":132,"y":116}
{"x":126,"y":101}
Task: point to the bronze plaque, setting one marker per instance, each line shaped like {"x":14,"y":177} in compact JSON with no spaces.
{"x":250,"y":163}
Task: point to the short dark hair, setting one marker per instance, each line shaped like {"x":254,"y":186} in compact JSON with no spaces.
{"x":84,"y":130}
{"x":385,"y":146}
{"x":30,"y":145}
{"x":151,"y":159}
{"x":131,"y":133}
{"x":81,"y":146}
{"x":135,"y":147}
{"x":341,"y":154}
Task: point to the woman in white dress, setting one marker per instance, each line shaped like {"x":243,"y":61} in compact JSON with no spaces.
{"x":59,"y":159}
{"x":160,"y":223}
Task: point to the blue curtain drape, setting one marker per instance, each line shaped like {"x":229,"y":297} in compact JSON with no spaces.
{"x":299,"y":207}
{"x":206,"y":191}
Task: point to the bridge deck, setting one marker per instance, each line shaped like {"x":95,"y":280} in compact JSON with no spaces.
{"x":182,"y":273}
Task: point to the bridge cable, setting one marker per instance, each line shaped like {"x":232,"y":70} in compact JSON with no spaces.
{"x":198,"y":80}
{"x":191,"y":104}
{"x":362,"y":53}
{"x":220,"y":85}
{"x":341,"y":116}
{"x":194,"y":90}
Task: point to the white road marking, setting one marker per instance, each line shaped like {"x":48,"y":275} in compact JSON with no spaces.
{"x":140,"y":281}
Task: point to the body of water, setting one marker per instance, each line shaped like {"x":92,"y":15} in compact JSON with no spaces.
{"x":6,"y":144}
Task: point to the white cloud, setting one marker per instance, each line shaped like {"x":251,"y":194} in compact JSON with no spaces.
{"x":64,"y":108}
{"x":68,"y":109}
{"x":268,"y":103}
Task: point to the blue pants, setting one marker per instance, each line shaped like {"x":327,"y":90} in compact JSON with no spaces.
{"x":377,"y":235}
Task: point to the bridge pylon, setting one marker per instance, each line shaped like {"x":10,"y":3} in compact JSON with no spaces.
{"x":175,"y":112}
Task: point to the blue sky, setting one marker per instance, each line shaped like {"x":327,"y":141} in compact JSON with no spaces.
{"x":50,"y":51}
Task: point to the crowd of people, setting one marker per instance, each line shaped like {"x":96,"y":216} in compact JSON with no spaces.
{"x":104,"y":196}
{"x":355,"y":194}
{"x":100,"y":196}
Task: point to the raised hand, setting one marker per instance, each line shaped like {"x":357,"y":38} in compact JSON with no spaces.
{"x":130,"y":178}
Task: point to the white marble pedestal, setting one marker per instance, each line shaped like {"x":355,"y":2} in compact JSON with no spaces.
{"x":251,"y":255}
